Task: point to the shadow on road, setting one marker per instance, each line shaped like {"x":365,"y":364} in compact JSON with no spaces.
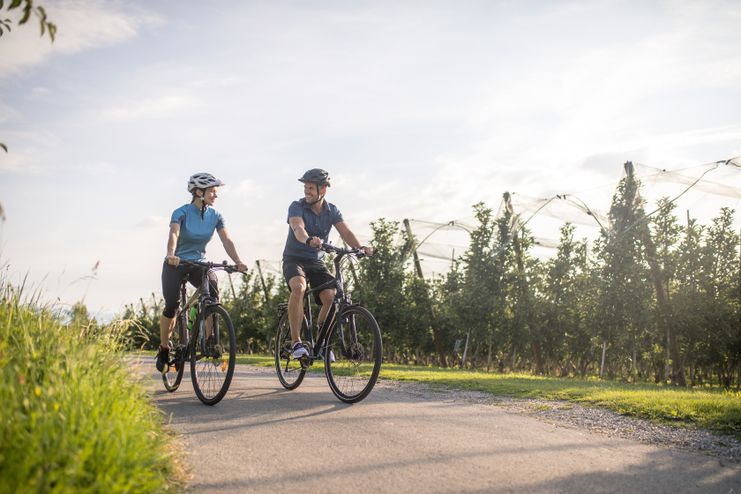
{"x":399,"y":442}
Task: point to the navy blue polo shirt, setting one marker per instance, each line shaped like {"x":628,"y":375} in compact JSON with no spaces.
{"x":316,"y":225}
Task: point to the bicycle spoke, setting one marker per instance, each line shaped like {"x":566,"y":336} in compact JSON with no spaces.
{"x":174,"y":374}
{"x":290,"y":371}
{"x":213,"y":359}
{"x":355,"y":346}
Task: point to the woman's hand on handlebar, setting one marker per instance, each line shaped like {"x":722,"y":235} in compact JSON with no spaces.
{"x":172,"y":260}
{"x":367,"y":250}
{"x":241,"y":267}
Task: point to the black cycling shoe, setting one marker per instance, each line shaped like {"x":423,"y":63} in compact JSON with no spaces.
{"x":163,"y":357}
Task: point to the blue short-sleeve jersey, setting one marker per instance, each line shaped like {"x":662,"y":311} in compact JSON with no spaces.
{"x":317,"y":225}
{"x":195,"y":231}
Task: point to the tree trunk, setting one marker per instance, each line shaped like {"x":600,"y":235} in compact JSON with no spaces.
{"x":538,"y":357}
{"x":662,"y":300}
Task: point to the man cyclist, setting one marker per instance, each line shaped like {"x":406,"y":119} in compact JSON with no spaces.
{"x":191,"y":227}
{"x":310,"y":220}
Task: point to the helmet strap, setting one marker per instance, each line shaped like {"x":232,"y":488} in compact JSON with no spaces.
{"x":202,"y":199}
{"x":321,"y":196}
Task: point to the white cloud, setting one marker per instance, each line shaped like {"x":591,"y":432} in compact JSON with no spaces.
{"x":165,"y":106}
{"x":7,"y":113}
{"x":419,"y":110}
{"x":15,"y":162}
{"x":246,"y":188}
{"x":80,"y":26}
{"x":153,"y":222}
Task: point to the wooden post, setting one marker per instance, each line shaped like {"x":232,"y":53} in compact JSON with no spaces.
{"x":262,"y":281}
{"x":465,"y":351}
{"x":417,"y":265}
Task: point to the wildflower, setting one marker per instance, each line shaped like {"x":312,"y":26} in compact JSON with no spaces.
{"x":37,"y":391}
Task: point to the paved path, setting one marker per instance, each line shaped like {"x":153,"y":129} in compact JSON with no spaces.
{"x":261,"y":438}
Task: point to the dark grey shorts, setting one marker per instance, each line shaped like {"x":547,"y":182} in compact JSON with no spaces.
{"x":314,"y":271}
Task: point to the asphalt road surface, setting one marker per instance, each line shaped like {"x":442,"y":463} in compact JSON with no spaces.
{"x":262,"y":438}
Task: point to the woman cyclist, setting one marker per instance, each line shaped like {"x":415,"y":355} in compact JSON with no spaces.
{"x":191,"y":227}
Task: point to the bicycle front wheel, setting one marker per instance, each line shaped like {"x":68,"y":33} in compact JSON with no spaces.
{"x":290,"y":371}
{"x":213,"y":355}
{"x":176,"y":366}
{"x":354,"y":354}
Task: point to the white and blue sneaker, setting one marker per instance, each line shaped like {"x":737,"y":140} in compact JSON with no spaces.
{"x":299,"y":351}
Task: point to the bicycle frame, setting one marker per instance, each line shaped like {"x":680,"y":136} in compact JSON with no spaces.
{"x":334,"y":316}
{"x":202,"y":299}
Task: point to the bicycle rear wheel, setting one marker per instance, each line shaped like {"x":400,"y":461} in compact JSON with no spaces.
{"x":176,"y":366}
{"x":354,"y":355}
{"x":290,"y":372}
{"x":213,"y":355}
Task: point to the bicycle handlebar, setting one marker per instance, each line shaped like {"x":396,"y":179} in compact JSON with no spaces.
{"x":339,"y":250}
{"x":229,"y":268}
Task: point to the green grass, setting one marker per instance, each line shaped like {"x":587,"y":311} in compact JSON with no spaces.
{"x":715,"y":410}
{"x":72,"y":418}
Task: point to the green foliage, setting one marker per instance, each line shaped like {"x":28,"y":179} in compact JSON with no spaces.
{"x":383,"y":279}
{"x":26,"y":9}
{"x":500,"y":308}
{"x":254,"y":310}
{"x":144,"y":332}
{"x":73,"y":419}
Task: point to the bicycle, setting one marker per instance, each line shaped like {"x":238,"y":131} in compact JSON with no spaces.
{"x":212,"y":352}
{"x":349,"y":341}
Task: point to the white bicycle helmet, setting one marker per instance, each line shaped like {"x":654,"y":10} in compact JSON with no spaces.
{"x":203,"y":181}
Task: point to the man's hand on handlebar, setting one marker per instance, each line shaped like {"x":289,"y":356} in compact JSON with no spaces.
{"x":172,"y":260}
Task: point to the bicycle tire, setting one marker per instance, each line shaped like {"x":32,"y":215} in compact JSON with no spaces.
{"x":290,"y":371}
{"x":172,"y":380}
{"x":212,"y":364}
{"x":352,"y":364}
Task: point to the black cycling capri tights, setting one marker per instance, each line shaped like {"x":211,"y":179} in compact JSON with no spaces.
{"x":172,"y":277}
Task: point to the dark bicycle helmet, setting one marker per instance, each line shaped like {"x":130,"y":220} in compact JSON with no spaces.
{"x":316,"y":176}
{"x":203,"y":181}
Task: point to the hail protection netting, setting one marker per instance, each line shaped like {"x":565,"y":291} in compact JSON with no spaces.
{"x":438,"y":243}
{"x":698,"y":191}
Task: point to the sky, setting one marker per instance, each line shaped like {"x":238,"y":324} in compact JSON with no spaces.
{"x":418,"y":109}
